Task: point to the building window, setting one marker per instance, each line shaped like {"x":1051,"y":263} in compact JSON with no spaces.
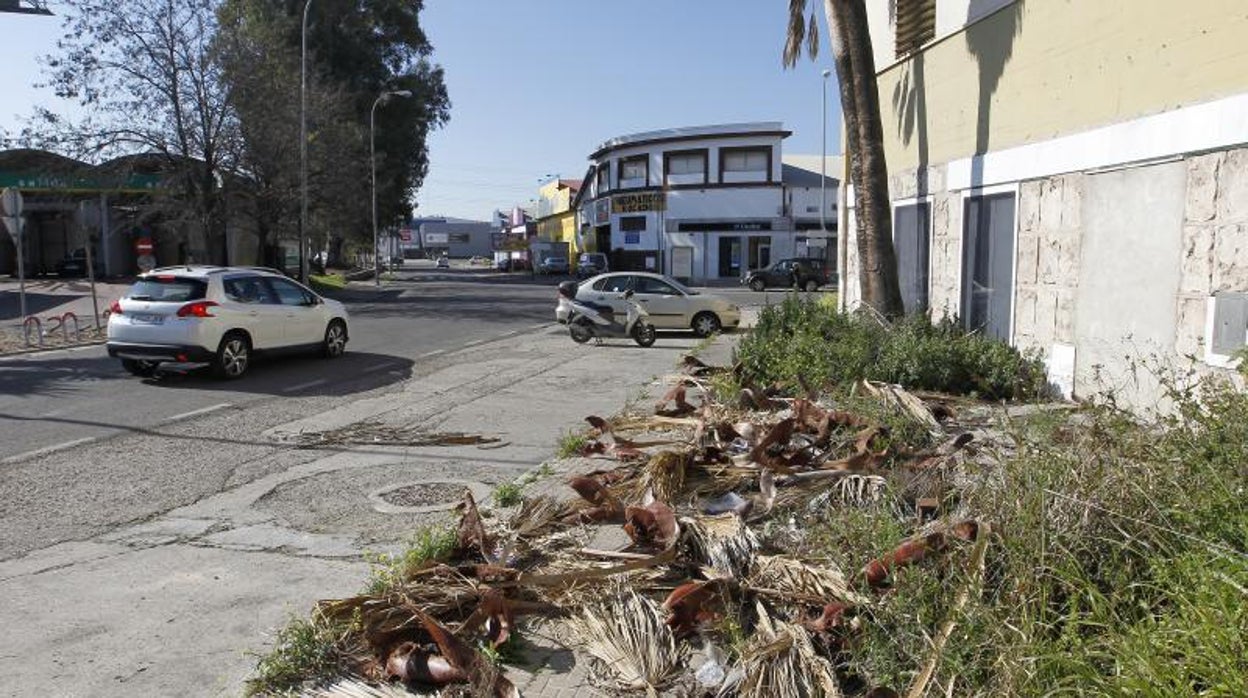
{"x":634,"y":171}
{"x":603,"y":178}
{"x":684,"y":167}
{"x":459,"y":238}
{"x":911,"y":237}
{"x":916,"y":25}
{"x":632,"y":224}
{"x":988,"y":264}
{"x":744,"y":165}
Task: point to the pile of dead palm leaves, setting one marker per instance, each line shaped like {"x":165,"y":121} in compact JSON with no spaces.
{"x":706,"y":494}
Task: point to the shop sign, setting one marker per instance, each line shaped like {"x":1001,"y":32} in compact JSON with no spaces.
{"x":639,"y":202}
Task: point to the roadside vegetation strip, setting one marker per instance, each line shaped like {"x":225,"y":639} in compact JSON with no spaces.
{"x":847,"y":539}
{"x":327,"y":282}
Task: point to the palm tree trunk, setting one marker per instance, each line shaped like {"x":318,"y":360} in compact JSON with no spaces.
{"x":860,"y":104}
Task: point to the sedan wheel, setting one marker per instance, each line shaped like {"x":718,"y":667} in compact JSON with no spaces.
{"x":706,"y":324}
{"x":335,"y":340}
{"x":233,"y":357}
{"x":757,"y":285}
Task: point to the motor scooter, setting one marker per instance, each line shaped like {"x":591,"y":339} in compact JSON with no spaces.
{"x":588,"y":321}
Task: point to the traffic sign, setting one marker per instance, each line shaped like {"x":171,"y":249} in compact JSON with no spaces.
{"x":405,"y":234}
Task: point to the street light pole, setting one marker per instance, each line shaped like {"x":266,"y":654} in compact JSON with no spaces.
{"x":372,"y":159}
{"x":303,"y":145}
{"x":823,"y":165}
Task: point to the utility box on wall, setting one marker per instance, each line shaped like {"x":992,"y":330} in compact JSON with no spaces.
{"x":1230,"y":323}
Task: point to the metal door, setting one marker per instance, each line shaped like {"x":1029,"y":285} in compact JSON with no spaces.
{"x":988,"y":264}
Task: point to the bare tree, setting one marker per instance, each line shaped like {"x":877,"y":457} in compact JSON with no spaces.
{"x":144,"y":75}
{"x":860,"y":104}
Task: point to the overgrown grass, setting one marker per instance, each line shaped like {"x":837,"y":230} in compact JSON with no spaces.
{"x":811,"y":340}
{"x":1118,"y":564}
{"x":304,"y":652}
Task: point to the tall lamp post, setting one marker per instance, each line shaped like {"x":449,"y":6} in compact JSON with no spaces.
{"x":372,"y":158}
{"x":303,"y":145}
{"x":823,"y":166}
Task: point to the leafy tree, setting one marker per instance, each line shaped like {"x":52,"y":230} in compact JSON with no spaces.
{"x":860,"y":104}
{"x":356,"y":51}
{"x":144,"y":75}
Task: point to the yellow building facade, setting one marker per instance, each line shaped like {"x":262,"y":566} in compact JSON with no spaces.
{"x":1071,"y":176}
{"x":556,"y":220}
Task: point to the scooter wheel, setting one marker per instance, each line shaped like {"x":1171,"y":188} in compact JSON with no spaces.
{"x":644,"y":335}
{"x":579,"y":332}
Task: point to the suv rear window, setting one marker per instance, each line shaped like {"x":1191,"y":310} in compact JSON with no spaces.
{"x":167,"y":289}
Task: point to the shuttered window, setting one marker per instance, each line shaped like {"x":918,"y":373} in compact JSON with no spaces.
{"x":916,"y":25}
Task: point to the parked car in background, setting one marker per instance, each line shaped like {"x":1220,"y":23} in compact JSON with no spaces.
{"x":443,"y":262}
{"x":74,"y":264}
{"x":220,"y":316}
{"x":479,"y":261}
{"x":554,"y":265}
{"x":804,"y":273}
{"x":670,"y":304}
{"x":591,"y":264}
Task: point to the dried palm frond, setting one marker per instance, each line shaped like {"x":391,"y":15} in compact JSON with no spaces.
{"x":782,"y":662}
{"x":631,"y":647}
{"x":536,"y":516}
{"x":723,"y":542}
{"x":799,"y":581}
{"x":664,"y":475}
{"x":852,"y":489}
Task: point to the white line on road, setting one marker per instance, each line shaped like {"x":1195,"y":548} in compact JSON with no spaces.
{"x":426,"y":355}
{"x":305,"y":386}
{"x":197,"y":413}
{"x":48,"y":450}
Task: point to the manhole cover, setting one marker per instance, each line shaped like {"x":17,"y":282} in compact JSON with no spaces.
{"x":425,"y":496}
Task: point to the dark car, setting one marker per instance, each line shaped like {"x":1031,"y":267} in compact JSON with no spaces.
{"x":799,"y":272}
{"x":591,"y":264}
{"x":74,"y":265}
{"x":554,"y":265}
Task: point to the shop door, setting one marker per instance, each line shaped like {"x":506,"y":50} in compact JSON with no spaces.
{"x":760,"y":252}
{"x":729,"y":257}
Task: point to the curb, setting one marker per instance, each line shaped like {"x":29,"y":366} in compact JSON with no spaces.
{"x":44,"y":350}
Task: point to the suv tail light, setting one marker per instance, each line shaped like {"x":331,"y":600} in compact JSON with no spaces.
{"x":197,"y":309}
{"x":115,"y":308}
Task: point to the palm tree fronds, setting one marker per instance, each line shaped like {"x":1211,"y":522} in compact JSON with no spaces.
{"x":632,"y":648}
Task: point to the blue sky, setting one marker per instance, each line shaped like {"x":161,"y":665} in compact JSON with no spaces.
{"x":535,"y":85}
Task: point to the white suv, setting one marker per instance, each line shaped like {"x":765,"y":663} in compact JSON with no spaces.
{"x":219,"y":316}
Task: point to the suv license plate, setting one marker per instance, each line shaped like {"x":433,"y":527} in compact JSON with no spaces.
{"x":140,"y":319}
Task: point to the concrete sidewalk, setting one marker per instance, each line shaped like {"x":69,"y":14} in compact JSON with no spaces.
{"x":174,"y":604}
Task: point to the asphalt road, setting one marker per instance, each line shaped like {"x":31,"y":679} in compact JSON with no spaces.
{"x":56,"y":400}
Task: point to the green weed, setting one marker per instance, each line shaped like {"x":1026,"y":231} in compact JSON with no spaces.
{"x":508,"y":494}
{"x":427,"y":544}
{"x":570,"y":444}
{"x":304,"y":652}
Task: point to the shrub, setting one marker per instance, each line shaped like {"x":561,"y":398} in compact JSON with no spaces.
{"x":827,"y":348}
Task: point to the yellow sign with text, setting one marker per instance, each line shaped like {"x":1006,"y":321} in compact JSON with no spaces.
{"x":639,"y":203}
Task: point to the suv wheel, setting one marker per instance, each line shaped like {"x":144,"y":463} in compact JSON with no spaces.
{"x":233,"y":356}
{"x":335,"y":340}
{"x":811,"y":285}
{"x":756,"y":284}
{"x":137,"y":367}
{"x":706,"y":324}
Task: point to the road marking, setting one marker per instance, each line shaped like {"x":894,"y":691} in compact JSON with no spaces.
{"x":197,"y":413}
{"x":305,"y":386}
{"x":426,"y":355}
{"x":48,"y":450}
